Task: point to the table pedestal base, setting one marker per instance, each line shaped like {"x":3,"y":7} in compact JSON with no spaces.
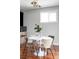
{"x":40,"y":53}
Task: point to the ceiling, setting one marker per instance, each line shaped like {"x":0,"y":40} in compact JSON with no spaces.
{"x":26,"y":4}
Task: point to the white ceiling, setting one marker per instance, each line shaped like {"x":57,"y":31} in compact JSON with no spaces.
{"x":26,"y":4}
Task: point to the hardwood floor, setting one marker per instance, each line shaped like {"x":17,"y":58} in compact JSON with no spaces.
{"x":28,"y":54}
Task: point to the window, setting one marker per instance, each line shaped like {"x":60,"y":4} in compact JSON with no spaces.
{"x":47,"y":17}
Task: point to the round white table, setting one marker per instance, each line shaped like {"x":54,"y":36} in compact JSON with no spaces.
{"x":39,"y":38}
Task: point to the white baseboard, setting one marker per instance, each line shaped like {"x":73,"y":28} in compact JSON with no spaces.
{"x":56,"y":43}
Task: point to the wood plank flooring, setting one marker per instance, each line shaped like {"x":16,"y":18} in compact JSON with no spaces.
{"x":29,"y":55}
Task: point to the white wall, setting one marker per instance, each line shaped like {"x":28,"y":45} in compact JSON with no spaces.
{"x":32,"y":17}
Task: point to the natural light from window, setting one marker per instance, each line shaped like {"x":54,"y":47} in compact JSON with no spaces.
{"x":46,"y":17}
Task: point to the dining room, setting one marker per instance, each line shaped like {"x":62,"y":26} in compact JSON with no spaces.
{"x":39,"y":32}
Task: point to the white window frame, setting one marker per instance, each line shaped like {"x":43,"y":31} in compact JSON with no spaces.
{"x":46,"y":18}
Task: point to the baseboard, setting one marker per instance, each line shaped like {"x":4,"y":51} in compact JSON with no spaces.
{"x":56,"y":44}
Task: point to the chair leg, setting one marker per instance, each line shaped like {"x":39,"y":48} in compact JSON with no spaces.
{"x":44,"y":53}
{"x":54,"y":48}
{"x":52,"y":53}
{"x":24,"y":50}
{"x":30,"y":50}
{"x":47,"y":51}
{"x":37,"y":50}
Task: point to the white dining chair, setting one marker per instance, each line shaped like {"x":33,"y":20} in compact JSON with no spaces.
{"x":53,"y":38}
{"x":47,"y":46}
{"x":23,"y":42}
{"x":32,"y":46}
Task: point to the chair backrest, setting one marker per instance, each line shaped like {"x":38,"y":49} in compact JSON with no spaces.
{"x":23,"y":37}
{"x":52,"y":38}
{"x":47,"y":43}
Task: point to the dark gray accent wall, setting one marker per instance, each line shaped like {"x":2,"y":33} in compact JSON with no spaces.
{"x":21,"y":18}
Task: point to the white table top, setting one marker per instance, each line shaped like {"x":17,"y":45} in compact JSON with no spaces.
{"x":38,"y":37}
